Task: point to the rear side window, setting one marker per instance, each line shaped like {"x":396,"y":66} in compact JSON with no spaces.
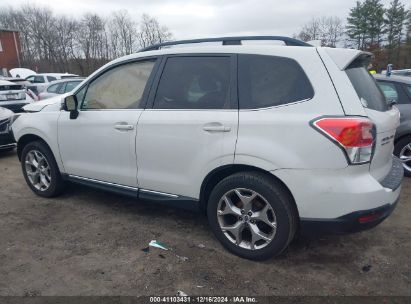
{"x":194,"y":83}
{"x":38,"y":79}
{"x":51,"y":78}
{"x":366,"y":87}
{"x":267,"y":81}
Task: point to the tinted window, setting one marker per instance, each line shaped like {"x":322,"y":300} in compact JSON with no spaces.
{"x":119,"y":88}
{"x":266,"y":81}
{"x":71,"y":85}
{"x":51,"y":78}
{"x":389,"y":90}
{"x":194,"y":83}
{"x":38,"y":79}
{"x":54,"y":88}
{"x":366,"y":88}
{"x":408,"y":89}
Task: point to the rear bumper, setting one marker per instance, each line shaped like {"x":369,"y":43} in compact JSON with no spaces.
{"x":345,"y":200}
{"x":349,"y":223}
{"x":358,"y":220}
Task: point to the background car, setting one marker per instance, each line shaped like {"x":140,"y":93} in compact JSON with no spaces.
{"x":6,"y":137}
{"x":39,"y":81}
{"x":398,"y":89}
{"x":60,"y":87}
{"x":13,"y":96}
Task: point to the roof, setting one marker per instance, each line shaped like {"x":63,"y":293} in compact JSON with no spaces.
{"x":66,"y":80}
{"x":401,"y":79}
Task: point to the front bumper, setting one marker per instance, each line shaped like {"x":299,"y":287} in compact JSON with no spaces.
{"x":16,"y":107}
{"x":7,"y":140}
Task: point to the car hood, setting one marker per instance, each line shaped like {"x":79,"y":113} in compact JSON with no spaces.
{"x":5,"y":113}
{"x":54,"y":103}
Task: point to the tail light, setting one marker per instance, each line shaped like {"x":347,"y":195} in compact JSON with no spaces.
{"x":355,"y":135}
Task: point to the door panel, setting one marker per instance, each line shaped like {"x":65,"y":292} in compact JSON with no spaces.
{"x":100,"y":143}
{"x":91,"y":146}
{"x":192,"y":126}
{"x":175,"y":153}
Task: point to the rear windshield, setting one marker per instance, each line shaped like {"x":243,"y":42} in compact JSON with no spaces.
{"x":366,"y":87}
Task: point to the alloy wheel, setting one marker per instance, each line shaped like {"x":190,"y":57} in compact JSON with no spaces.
{"x":246,"y":218}
{"x":405,"y":157}
{"x":38,"y":170}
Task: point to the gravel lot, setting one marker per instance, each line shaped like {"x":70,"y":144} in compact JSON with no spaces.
{"x":89,"y":242}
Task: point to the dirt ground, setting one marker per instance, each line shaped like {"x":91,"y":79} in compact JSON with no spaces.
{"x":89,"y":242}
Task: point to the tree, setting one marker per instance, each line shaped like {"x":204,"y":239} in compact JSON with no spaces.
{"x":356,"y":25}
{"x":151,"y":32}
{"x":327,"y":29}
{"x":123,"y":34}
{"x":365,"y":24}
{"x":395,"y":20}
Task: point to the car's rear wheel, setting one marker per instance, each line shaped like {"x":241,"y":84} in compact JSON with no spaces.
{"x":402,"y":149}
{"x":252,"y":215}
{"x":40,"y":170}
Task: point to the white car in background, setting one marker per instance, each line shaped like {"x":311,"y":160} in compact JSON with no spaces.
{"x":40,"y":81}
{"x":60,"y":87}
{"x":13,"y":96}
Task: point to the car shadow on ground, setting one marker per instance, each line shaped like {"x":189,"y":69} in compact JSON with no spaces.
{"x":325,"y":249}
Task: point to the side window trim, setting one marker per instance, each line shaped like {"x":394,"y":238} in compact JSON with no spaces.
{"x":233,"y":79}
{"x":144,"y":97}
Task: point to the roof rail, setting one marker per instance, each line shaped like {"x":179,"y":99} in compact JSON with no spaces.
{"x":228,"y":41}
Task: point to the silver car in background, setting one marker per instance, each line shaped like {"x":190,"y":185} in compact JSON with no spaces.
{"x":60,"y":87}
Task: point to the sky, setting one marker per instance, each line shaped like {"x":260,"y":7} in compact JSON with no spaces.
{"x":211,"y":18}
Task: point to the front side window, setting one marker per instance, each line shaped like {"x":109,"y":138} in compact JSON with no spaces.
{"x":267,"y":81}
{"x":71,"y":85}
{"x":194,"y":83}
{"x":54,"y":88}
{"x":121,"y":87}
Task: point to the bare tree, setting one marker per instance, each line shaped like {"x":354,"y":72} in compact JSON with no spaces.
{"x":151,"y":32}
{"x":327,"y":29}
{"x":123,"y":33}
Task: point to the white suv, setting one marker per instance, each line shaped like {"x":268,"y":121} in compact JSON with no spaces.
{"x":267,"y":139}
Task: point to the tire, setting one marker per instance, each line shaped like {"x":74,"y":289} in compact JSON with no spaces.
{"x":45,"y":180}
{"x":400,"y":149}
{"x":279,"y":224}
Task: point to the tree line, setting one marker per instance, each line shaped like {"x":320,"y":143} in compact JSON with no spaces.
{"x":385,"y":31}
{"x":52,"y":43}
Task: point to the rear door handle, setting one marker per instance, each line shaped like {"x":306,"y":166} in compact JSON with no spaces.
{"x":123,"y":126}
{"x":216,"y":127}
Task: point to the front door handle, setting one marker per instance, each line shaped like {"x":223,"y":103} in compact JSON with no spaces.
{"x":123,"y":126}
{"x":216,"y":127}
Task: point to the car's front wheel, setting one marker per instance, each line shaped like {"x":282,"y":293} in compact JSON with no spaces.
{"x":40,"y":169}
{"x":252,"y":215}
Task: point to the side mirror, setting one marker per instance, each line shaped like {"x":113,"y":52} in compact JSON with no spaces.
{"x":71,"y":104}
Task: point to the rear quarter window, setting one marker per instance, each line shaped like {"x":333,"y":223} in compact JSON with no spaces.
{"x":366,"y":87}
{"x":267,"y":81}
